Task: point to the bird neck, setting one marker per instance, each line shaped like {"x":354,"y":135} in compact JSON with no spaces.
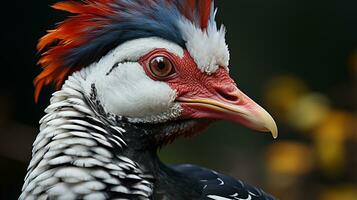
{"x":77,"y":133}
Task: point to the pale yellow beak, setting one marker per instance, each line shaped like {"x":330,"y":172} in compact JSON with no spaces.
{"x":237,"y":108}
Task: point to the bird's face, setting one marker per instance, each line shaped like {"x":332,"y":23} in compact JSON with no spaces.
{"x":155,"y":81}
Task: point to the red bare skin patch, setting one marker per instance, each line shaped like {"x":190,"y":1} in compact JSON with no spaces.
{"x":190,"y":82}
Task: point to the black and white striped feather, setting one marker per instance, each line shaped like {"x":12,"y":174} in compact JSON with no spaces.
{"x":77,"y":156}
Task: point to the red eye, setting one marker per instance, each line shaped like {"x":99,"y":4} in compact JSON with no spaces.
{"x":161,"y":67}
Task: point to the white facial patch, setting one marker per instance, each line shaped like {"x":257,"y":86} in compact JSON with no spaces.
{"x":127,"y":90}
{"x":207,"y":47}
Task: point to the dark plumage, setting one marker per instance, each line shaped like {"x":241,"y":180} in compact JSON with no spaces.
{"x":216,"y":184}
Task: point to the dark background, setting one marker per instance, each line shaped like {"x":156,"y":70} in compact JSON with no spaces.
{"x":297,"y":58}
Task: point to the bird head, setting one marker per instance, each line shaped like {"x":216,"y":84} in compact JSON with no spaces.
{"x":150,"y":61}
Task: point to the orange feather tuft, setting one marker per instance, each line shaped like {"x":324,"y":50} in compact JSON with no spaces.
{"x":68,"y":35}
{"x":71,"y":6}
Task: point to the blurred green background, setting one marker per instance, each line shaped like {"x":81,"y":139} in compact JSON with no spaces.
{"x":297,"y":58}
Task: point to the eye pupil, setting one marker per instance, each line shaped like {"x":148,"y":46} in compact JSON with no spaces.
{"x":161,"y":67}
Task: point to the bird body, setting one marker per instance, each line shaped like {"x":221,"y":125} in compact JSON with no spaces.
{"x":129,"y":85}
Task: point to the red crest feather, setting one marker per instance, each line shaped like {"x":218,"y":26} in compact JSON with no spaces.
{"x":202,"y":7}
{"x":205,"y":12}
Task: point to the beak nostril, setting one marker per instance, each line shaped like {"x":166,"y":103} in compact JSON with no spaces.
{"x":230,"y":96}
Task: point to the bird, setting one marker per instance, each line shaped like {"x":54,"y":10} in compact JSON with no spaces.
{"x":132,"y":76}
